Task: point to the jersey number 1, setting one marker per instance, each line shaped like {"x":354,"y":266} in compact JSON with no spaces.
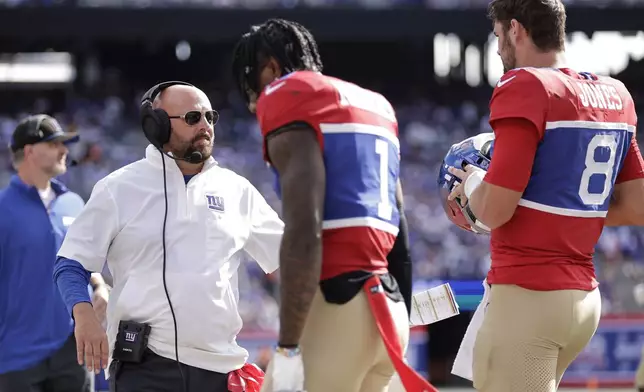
{"x":592,"y":167}
{"x":385,"y":208}
{"x":352,"y":95}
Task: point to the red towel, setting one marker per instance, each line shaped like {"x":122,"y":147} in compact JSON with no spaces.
{"x":247,"y":379}
{"x":412,"y":381}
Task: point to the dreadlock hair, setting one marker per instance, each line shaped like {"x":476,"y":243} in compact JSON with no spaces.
{"x":288,"y":42}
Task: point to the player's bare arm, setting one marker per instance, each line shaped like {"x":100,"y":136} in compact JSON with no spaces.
{"x":494,"y":205}
{"x":296,"y":156}
{"x":627,"y":206}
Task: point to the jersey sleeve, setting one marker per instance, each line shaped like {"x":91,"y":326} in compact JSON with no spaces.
{"x":286,"y":102}
{"x":515,"y":146}
{"x":633,"y":168}
{"x":520,"y":95}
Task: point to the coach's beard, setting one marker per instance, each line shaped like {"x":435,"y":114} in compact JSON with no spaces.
{"x":205,"y":149}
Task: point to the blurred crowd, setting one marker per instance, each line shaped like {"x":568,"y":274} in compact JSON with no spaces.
{"x":440,"y":4}
{"x":111,"y":138}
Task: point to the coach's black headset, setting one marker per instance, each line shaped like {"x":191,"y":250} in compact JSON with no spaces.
{"x":157,"y":128}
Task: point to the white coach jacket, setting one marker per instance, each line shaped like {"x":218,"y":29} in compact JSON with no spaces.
{"x":211,"y":220}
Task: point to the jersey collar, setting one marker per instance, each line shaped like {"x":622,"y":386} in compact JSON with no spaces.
{"x":58,"y":187}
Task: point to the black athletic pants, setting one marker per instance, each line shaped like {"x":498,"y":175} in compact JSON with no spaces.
{"x":58,"y":373}
{"x":158,"y":374}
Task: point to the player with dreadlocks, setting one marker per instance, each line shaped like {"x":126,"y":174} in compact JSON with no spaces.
{"x":344,"y":259}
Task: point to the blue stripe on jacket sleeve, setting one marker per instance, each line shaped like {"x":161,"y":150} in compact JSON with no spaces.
{"x":72,"y":280}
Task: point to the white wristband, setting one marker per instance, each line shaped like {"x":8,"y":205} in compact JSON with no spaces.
{"x":472,"y":182}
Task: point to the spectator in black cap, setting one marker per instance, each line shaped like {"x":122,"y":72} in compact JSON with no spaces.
{"x":37,"y":346}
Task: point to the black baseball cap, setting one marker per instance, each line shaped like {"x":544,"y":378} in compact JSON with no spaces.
{"x":37,"y":129}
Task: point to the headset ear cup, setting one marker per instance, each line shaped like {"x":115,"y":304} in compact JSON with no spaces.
{"x":149,"y":124}
{"x":164,"y":126}
{"x":155,"y":122}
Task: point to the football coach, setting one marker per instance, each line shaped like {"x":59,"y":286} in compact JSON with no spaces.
{"x":37,"y":348}
{"x":173,"y":228}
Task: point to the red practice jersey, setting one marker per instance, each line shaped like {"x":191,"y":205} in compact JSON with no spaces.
{"x":563,"y":139}
{"x":358,"y":136}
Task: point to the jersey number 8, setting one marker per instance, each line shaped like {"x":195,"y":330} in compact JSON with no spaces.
{"x":592,"y":167}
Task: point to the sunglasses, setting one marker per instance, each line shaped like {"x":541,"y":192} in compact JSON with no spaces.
{"x":194,"y":116}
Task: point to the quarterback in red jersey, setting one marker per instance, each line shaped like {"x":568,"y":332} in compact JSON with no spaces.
{"x":565,"y":163}
{"x":344,"y":266}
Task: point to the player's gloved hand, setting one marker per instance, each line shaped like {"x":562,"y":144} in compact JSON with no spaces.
{"x":288,"y":370}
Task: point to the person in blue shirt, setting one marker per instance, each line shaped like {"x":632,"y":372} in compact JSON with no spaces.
{"x":37,"y":346}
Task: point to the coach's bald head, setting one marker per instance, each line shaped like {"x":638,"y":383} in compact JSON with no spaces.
{"x":172,"y":97}
{"x":191,"y":119}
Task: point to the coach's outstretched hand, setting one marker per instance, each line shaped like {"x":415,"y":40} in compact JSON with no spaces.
{"x":91,"y":340}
